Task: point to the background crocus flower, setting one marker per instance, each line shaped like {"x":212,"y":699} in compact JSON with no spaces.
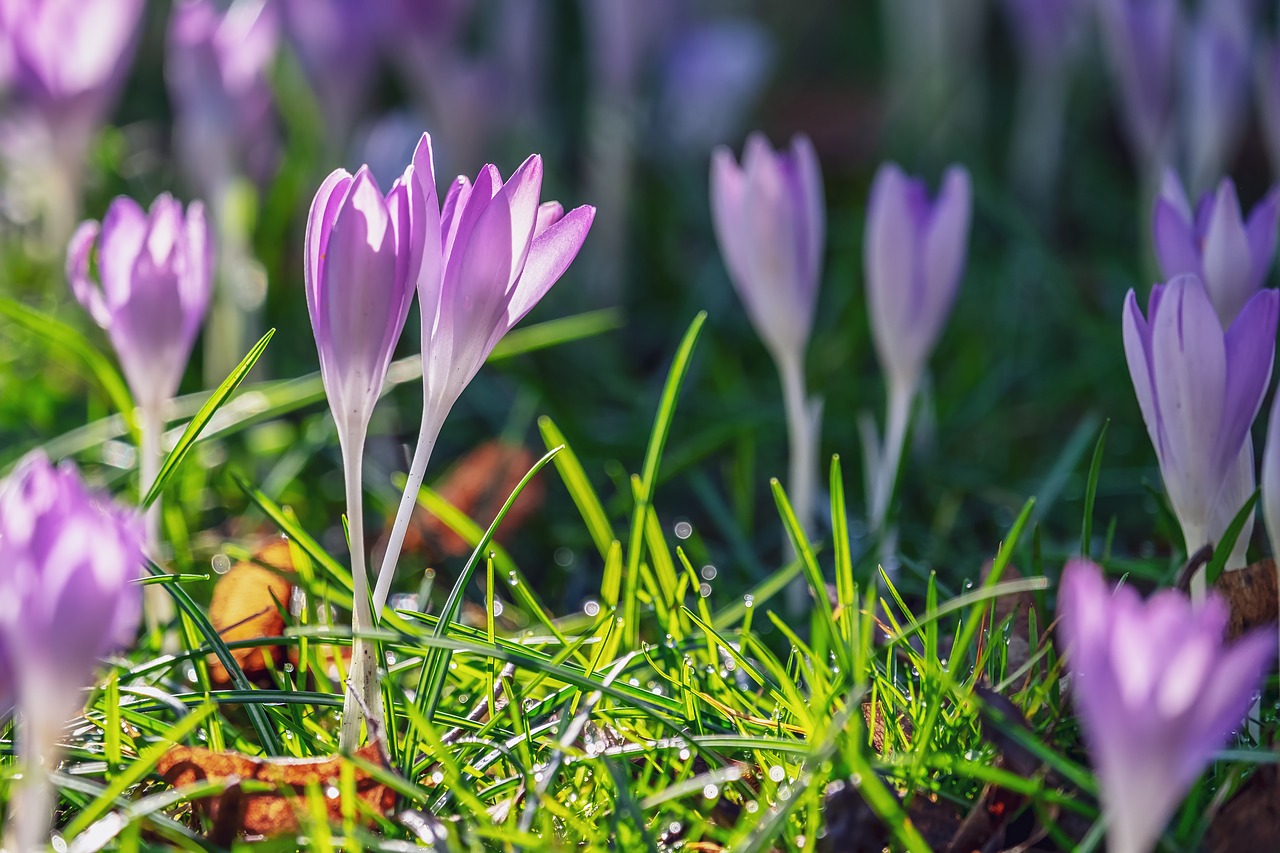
{"x":491,"y":256}
{"x":1199,"y":389}
{"x":156,"y":273}
{"x":1266,"y":76}
{"x":69,"y":566}
{"x":67,"y":62}
{"x":1141,"y":39}
{"x":218,"y":68}
{"x":335,"y":42}
{"x":771,"y":224}
{"x":1230,"y":255}
{"x":914,"y":257}
{"x":1157,"y":692}
{"x":1215,"y":64}
{"x":364,"y":252}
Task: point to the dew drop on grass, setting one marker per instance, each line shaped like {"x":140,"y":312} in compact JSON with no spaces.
{"x":288,"y":667}
{"x":591,"y":608}
{"x":683,"y":529}
{"x":784,"y":793}
{"x":799,"y":840}
{"x":563,"y":557}
{"x":221,"y":563}
{"x":748,"y":600}
{"x":684,"y":754}
{"x":58,"y":843}
{"x":710,"y":792}
{"x":437,"y":777}
{"x":332,"y":792}
{"x":512,"y":579}
{"x":856,"y":780}
{"x":709,"y":573}
{"x":777,"y":773}
{"x":497,"y":608}
{"x":752,"y":806}
{"x":704,"y":590}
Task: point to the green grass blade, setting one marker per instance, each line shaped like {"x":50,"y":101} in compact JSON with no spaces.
{"x":652,"y":458}
{"x":579,"y":486}
{"x":202,"y":417}
{"x":1222,"y":550}
{"x":1091,"y":491}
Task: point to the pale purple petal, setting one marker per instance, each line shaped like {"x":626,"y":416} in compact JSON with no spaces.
{"x":1228,"y":267}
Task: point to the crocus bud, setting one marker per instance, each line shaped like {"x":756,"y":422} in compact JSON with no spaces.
{"x":1231,"y":256}
{"x":69,"y":566}
{"x":771,"y":224}
{"x":1266,"y":74}
{"x":1199,"y":389}
{"x":1157,"y":692}
{"x":914,"y":258}
{"x":363,"y":253}
{"x":1045,"y":30}
{"x":336,"y":44}
{"x":156,"y":273}
{"x":1140,"y":37}
{"x":218,"y":68}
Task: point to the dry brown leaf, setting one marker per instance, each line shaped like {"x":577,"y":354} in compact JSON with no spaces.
{"x":274,"y":812}
{"x":878,"y":727}
{"x":246,"y":605}
{"x":478,"y":484}
{"x":1251,"y":593}
{"x":1251,"y":819}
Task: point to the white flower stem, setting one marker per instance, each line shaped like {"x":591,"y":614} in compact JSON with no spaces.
{"x":363,"y":690}
{"x":895,"y":436}
{"x":157,"y":605}
{"x":802,"y":438}
{"x":1196,"y":537}
{"x":31,"y":807}
{"x":427,"y":435}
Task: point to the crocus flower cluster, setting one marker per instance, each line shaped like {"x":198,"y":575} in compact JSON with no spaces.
{"x":69,"y":563}
{"x":478,"y":266}
{"x":1157,"y":692}
{"x":156,"y":274}
{"x":770,"y":222}
{"x":1199,"y":389}
{"x":914,"y":258}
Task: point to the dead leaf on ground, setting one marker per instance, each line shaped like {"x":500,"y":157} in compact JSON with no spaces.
{"x":247,"y":603}
{"x":237,"y":812}
{"x":478,"y":484}
{"x":1251,"y":593}
{"x":1251,"y":819}
{"x":877,"y":728}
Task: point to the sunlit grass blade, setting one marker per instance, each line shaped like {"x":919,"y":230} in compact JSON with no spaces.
{"x":1091,"y":491}
{"x":202,"y":417}
{"x":1222,"y":550}
{"x":579,"y":486}
{"x":809,"y":563}
{"x":652,"y":458}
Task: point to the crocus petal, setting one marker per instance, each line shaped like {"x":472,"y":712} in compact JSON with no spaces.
{"x":124,"y":232}
{"x":549,"y":213}
{"x":1271,"y":477}
{"x":86,"y":292}
{"x":1261,"y":229}
{"x":1250,"y":350}
{"x":946,"y":245}
{"x":1228,"y":267}
{"x":324,"y":210}
{"x":1175,"y":243}
{"x":549,"y":256}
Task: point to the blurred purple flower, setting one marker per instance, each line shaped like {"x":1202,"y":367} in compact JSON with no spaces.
{"x":914,"y":258}
{"x":1141,"y":39}
{"x":68,"y":58}
{"x":710,"y":80}
{"x":1231,"y":256}
{"x":1157,"y":692}
{"x":218,"y":71}
{"x":493,"y":255}
{"x":69,"y":563}
{"x":363,"y":254}
{"x":1199,"y":389}
{"x":1267,"y":84}
{"x":1271,"y":479}
{"x":336,"y":44}
{"x":1215,"y":65}
{"x":156,"y":274}
{"x":69,"y":566}
{"x":770,"y":222}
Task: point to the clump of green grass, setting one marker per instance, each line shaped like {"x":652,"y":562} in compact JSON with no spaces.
{"x":653,"y":721}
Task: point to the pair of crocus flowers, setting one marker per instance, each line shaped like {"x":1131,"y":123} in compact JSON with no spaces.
{"x":478,"y":265}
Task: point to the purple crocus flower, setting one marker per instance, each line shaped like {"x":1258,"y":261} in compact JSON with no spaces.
{"x":1157,"y":692}
{"x":771,"y":224}
{"x":218,"y":70}
{"x":1215,"y":66}
{"x":1140,"y":37}
{"x":491,"y":256}
{"x":1267,"y":87}
{"x":156,"y":273}
{"x":1199,"y":389}
{"x":1045,"y":30}
{"x":364,"y":254}
{"x":69,"y":566}
{"x":1231,"y":256}
{"x":914,"y":257}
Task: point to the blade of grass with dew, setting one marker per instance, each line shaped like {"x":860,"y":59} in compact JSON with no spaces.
{"x":579,"y":485}
{"x":202,"y":417}
{"x":649,"y":473}
{"x":1091,"y":491}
